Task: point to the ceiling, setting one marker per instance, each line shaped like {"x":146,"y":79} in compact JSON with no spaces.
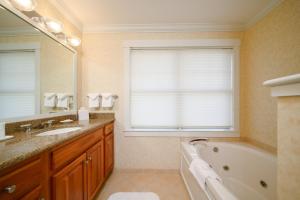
{"x":100,"y":14}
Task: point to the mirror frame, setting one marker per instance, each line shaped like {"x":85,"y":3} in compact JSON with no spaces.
{"x":19,"y":14}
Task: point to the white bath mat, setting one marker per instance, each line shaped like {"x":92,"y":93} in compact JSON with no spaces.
{"x":134,"y":196}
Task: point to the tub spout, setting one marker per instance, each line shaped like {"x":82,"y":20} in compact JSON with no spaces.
{"x":196,"y":140}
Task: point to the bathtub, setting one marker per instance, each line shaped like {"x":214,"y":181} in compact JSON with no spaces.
{"x":247,"y":173}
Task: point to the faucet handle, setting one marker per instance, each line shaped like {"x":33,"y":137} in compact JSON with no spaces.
{"x":50,"y":121}
{"x":26,"y":127}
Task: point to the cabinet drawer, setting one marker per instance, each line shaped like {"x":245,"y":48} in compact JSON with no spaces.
{"x":22,"y":181}
{"x":35,"y":194}
{"x":109,"y":128}
{"x":70,"y":151}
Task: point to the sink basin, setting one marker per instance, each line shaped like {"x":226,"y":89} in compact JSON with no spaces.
{"x":59,"y":131}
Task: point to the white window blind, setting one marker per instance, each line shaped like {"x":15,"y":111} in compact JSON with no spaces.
{"x":17,"y":83}
{"x":181,"y":88}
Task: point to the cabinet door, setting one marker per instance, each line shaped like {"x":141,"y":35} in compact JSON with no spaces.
{"x":70,"y":182}
{"x":95,"y":168}
{"x":109,"y":154}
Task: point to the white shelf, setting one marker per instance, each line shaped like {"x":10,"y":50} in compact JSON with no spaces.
{"x":284,"y":86}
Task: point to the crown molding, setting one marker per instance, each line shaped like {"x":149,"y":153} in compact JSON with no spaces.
{"x":160,"y":28}
{"x":199,"y":27}
{"x":263,"y":13}
{"x":63,"y":9}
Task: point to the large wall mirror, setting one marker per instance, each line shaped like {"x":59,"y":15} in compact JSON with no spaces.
{"x":37,"y":73}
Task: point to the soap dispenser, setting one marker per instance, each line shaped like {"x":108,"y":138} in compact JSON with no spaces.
{"x":83,"y":114}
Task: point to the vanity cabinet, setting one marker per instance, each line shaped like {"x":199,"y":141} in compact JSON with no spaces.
{"x":25,"y":182}
{"x":75,"y":169}
{"x":82,"y":178}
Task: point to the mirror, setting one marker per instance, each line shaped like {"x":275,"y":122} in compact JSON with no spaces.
{"x":37,"y":73}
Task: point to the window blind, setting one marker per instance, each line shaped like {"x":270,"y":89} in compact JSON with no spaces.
{"x":181,"y":88}
{"x":17,"y":83}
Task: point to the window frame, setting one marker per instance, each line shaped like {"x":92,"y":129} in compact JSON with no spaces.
{"x":234,"y":44}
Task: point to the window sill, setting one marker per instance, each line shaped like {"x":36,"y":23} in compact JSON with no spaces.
{"x":180,"y":133}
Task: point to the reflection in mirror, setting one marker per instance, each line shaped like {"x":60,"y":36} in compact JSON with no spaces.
{"x":36,"y":72}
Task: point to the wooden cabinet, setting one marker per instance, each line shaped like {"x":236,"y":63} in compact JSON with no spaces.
{"x":23,"y":182}
{"x":109,"y":129}
{"x":74,"y":170}
{"x":95,"y":169}
{"x":82,"y":178}
{"x":70,"y":182}
{"x":109,"y":154}
{"x":35,"y":194}
{"x":68,"y":152}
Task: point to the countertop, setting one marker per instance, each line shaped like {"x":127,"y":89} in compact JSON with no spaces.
{"x":25,"y":145}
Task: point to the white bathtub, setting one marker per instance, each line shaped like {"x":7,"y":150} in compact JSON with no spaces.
{"x":247,"y":172}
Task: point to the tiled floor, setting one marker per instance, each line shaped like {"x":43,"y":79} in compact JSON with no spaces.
{"x":168,"y":185}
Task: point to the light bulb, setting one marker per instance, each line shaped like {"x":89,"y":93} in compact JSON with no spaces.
{"x":53,"y":25}
{"x":24,"y":5}
{"x":74,"y":41}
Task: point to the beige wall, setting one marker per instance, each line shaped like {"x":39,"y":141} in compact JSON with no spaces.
{"x":103,"y":63}
{"x":288,"y":174}
{"x":271,"y":49}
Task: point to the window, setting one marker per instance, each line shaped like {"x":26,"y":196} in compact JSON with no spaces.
{"x":182,"y":88}
{"x":17,"y":83}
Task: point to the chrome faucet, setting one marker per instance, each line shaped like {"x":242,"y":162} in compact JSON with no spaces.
{"x":26,"y":127}
{"x":47,"y":124}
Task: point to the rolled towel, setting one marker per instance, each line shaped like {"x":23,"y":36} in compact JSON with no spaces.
{"x":49,"y":99}
{"x":63,"y":100}
{"x":94,"y":100}
{"x":107,"y":100}
{"x":200,"y":163}
{"x":201,"y":171}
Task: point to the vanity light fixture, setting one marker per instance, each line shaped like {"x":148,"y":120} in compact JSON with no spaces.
{"x":53,"y":26}
{"x":39,"y":21}
{"x":24,"y":5}
{"x":62,"y":37}
{"x":74,"y":41}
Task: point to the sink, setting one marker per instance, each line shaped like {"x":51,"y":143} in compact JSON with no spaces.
{"x":59,"y":131}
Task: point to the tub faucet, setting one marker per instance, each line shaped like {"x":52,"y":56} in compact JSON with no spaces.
{"x":196,"y":140}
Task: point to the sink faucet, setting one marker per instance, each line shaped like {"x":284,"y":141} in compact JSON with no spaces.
{"x":48,"y":123}
{"x":26,"y":127}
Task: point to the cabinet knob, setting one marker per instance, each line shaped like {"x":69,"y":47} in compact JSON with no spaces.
{"x":86,"y":162}
{"x":89,"y":158}
{"x":10,"y":189}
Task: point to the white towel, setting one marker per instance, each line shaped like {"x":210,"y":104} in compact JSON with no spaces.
{"x":107,"y":100}
{"x":201,"y":171}
{"x":63,"y":100}
{"x":49,"y":99}
{"x":94,"y":100}
{"x":201,"y":163}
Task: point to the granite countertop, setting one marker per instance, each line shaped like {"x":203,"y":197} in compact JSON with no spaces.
{"x":25,"y":145}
